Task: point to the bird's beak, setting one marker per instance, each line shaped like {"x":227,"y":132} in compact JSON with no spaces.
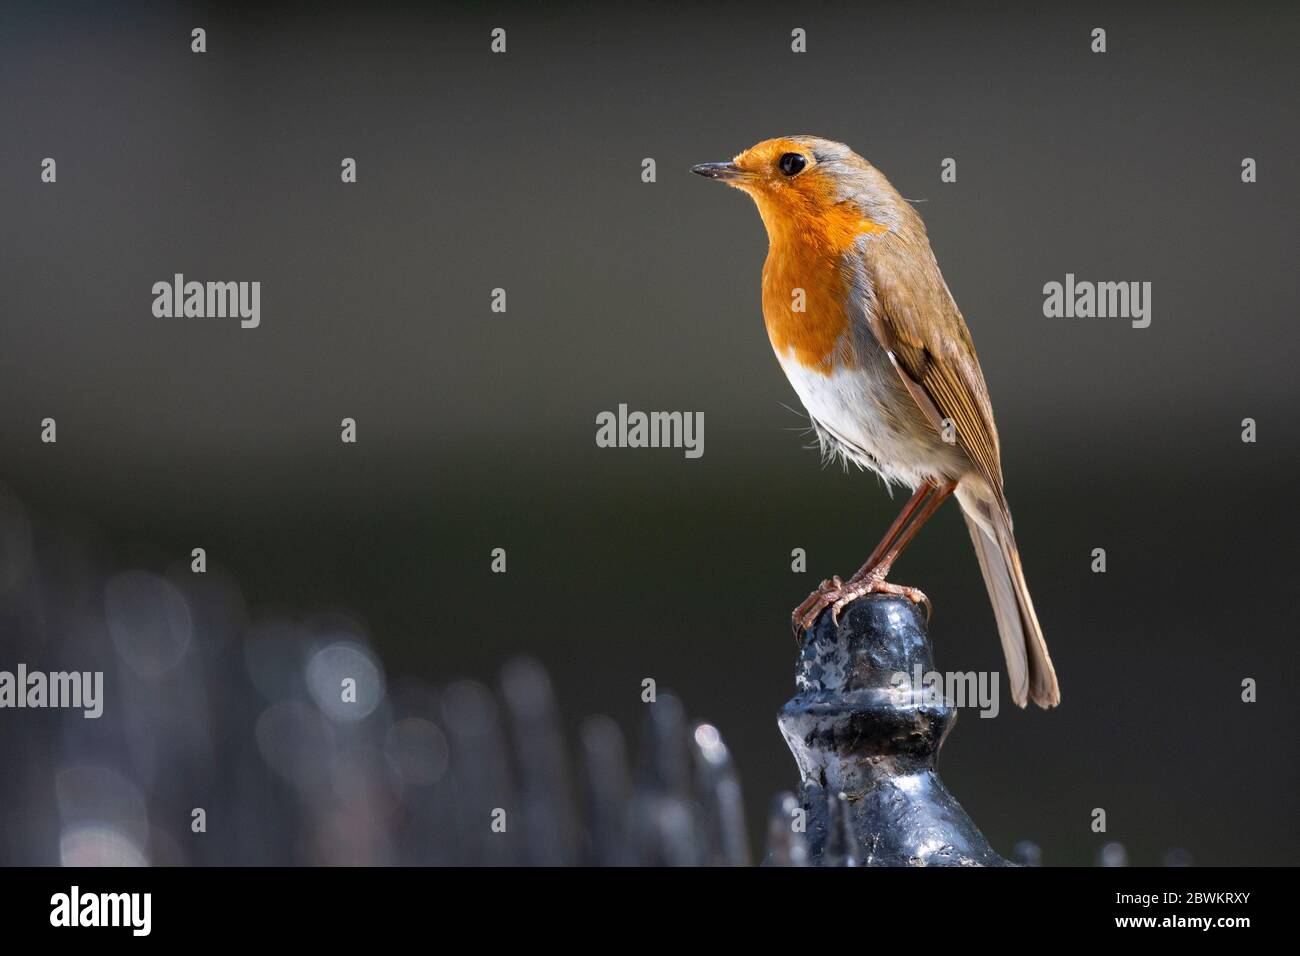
{"x":726,"y":172}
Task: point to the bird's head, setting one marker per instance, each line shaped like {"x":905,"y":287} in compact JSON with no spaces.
{"x":812,"y":187}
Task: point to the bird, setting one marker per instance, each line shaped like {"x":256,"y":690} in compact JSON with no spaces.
{"x":870,"y":338}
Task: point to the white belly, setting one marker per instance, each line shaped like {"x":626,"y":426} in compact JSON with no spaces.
{"x":874,"y":419}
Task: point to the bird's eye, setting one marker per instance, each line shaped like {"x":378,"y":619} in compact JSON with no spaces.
{"x":792,"y":164}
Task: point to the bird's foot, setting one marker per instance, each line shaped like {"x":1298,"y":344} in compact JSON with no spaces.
{"x":827,"y":593}
{"x":837,"y":595}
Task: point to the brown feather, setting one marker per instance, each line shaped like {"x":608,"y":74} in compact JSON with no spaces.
{"x":916,"y":320}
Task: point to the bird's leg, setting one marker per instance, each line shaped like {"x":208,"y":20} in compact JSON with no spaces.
{"x":870,"y":578}
{"x":829,"y":591}
{"x":895,"y":529}
{"x":899,"y":537}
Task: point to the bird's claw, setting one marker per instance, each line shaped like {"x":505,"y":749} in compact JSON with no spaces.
{"x":801,"y":618}
{"x":837,"y":595}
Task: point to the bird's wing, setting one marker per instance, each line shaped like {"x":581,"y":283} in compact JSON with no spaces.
{"x":913,"y":317}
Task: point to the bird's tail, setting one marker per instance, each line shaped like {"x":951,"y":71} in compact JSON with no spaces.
{"x":1029,"y":666}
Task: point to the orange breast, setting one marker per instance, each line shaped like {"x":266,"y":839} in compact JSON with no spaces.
{"x":809,"y":335}
{"x":807,"y":253}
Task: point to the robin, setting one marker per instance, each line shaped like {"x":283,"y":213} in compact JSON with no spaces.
{"x":869,"y":336}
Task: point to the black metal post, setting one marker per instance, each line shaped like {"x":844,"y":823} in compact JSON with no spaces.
{"x":866,"y":745}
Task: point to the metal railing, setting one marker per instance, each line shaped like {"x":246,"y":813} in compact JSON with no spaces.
{"x":225,"y":740}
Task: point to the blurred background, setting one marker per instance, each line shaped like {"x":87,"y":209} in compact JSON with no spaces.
{"x":476,"y":429}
